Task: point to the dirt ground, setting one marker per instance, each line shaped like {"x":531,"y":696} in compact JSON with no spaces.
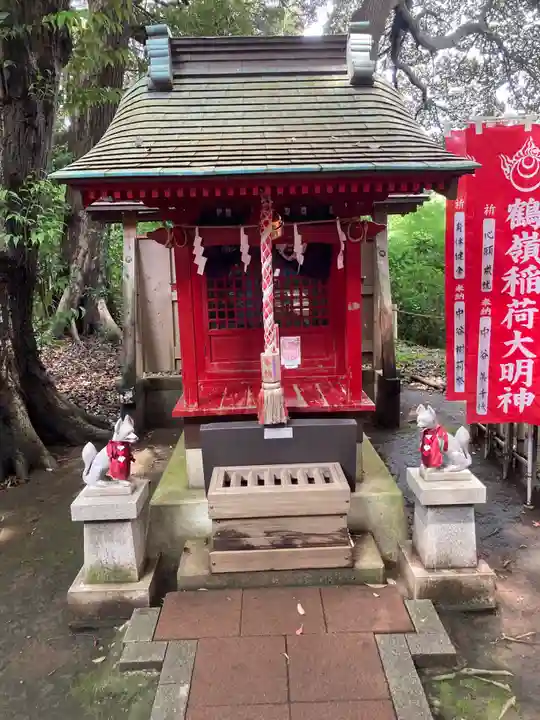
{"x":49,"y":673}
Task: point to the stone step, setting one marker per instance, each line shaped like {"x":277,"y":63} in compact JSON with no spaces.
{"x":194,"y":570}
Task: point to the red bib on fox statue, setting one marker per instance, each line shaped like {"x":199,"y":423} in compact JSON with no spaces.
{"x":120,"y":457}
{"x":434,"y":443}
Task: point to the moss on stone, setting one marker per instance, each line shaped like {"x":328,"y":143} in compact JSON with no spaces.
{"x":107,"y":694}
{"x":470,"y":698}
{"x":103,"y":575}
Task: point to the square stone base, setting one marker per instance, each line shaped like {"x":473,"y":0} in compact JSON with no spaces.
{"x":445,"y":536}
{"x":112,"y":600}
{"x":463,"y":589}
{"x":115,"y":551}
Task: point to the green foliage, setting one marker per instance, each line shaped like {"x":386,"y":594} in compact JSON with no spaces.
{"x":416,"y":254}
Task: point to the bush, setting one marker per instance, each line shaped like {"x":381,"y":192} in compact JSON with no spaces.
{"x":416,"y":255}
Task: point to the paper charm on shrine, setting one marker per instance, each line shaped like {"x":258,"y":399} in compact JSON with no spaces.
{"x":298,"y":246}
{"x":244,"y":249}
{"x":198,"y":252}
{"x":342,"y":239}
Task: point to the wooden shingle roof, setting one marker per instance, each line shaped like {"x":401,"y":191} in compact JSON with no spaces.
{"x":261,"y":105}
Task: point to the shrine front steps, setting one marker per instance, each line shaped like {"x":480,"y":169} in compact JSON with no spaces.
{"x":194,"y":570}
{"x":179,"y":513}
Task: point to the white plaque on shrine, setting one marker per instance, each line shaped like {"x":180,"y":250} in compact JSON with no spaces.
{"x":291,"y":355}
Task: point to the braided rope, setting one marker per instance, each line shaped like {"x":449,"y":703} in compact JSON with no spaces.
{"x":270,"y":342}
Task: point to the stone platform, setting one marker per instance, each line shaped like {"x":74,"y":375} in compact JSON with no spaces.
{"x":347,"y":653}
{"x":194,"y":570}
{"x":179,"y":513}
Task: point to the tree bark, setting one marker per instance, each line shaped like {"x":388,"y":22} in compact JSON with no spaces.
{"x":33,"y":412}
{"x":377,"y":13}
{"x":84,"y":237}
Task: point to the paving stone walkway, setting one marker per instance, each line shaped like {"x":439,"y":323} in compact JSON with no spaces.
{"x":339,"y":653}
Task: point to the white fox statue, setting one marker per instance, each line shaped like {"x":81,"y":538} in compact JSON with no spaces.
{"x":114,"y":460}
{"x":439,"y":449}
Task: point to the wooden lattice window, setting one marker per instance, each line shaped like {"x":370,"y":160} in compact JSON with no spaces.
{"x":235,"y":300}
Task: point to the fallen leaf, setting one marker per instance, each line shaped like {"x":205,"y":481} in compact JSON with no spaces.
{"x":300,"y":609}
{"x":300,"y":630}
{"x":99,"y":660}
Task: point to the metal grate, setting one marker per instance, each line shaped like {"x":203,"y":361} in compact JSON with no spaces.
{"x":235,"y":301}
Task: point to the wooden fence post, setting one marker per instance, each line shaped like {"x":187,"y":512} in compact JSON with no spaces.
{"x":387,"y":384}
{"x":131,"y":387}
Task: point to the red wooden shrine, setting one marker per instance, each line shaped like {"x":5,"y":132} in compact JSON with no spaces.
{"x":220,"y":134}
{"x":319,"y":307}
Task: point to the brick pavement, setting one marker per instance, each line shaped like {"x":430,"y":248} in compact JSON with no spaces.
{"x":333,"y":653}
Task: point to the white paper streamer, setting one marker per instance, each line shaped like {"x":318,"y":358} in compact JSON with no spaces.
{"x":244,"y":247}
{"x":198,"y":252}
{"x":342,"y":239}
{"x":298,"y":246}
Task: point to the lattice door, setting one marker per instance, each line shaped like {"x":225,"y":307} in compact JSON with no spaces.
{"x":232,"y":316}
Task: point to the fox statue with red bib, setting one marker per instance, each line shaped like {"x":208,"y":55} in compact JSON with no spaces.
{"x":112,"y":465}
{"x":440,"y":451}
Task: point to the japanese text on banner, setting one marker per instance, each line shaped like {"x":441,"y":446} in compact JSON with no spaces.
{"x":456,"y":224}
{"x":505,"y":284}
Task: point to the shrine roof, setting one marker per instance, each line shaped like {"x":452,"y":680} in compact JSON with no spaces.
{"x":259,"y":106}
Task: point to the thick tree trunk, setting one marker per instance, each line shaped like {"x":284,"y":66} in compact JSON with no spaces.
{"x":33,"y":412}
{"x":84,"y":238}
{"x":377,"y":13}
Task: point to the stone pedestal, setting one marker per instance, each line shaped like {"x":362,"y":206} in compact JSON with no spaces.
{"x":442,"y":563}
{"x":115,"y":525}
{"x":444,"y":533}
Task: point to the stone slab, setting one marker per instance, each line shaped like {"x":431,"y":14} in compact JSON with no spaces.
{"x":112,"y":600}
{"x":377,"y":505}
{"x":142,"y":625}
{"x":142,"y":656}
{"x":326,"y":668}
{"x":98,"y":508}
{"x":191,"y":615}
{"x":170,"y":702}
{"x":424,"y":617}
{"x":274,"y":611}
{"x":431,"y":650}
{"x":410,"y":702}
{"x":312,"y":440}
{"x":109,"y":490}
{"x":177,"y":512}
{"x":445,"y":536}
{"x":178,"y":664}
{"x":114,"y":551}
{"x":194,"y":570}
{"x":194,"y":467}
{"x":239,"y":671}
{"x":363,"y":609}
{"x":456,"y":589}
{"x":446,"y":492}
{"x":430,"y":645}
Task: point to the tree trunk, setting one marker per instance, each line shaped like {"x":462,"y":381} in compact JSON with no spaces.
{"x":33,"y":412}
{"x":84,"y":238}
{"x":377,"y":13}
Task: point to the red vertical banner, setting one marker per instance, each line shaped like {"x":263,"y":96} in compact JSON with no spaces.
{"x":503,"y":276}
{"x":455,"y":276}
